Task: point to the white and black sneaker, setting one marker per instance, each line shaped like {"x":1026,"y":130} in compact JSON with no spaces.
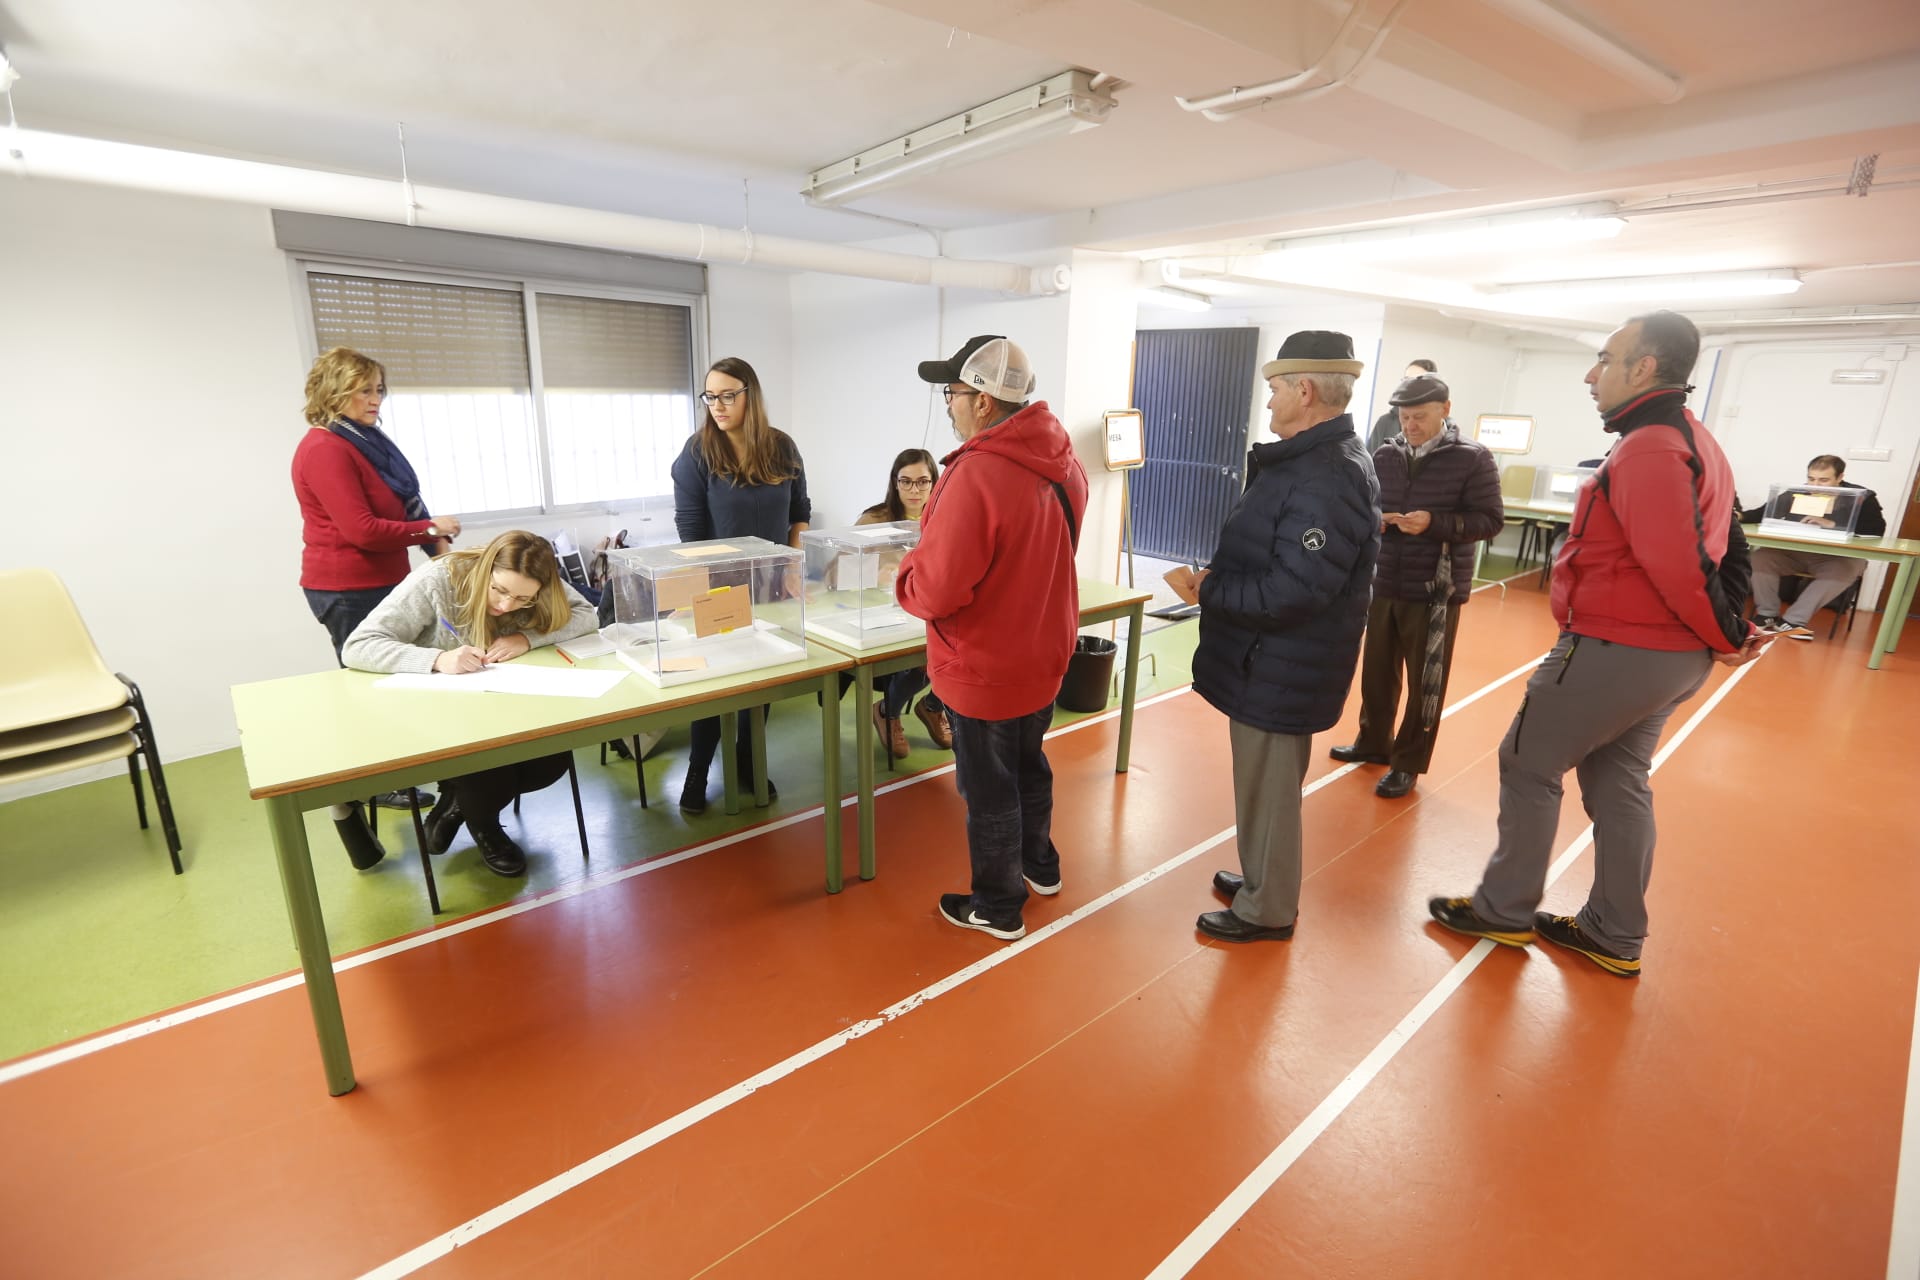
{"x":1044,"y":890}
{"x":957,"y":909}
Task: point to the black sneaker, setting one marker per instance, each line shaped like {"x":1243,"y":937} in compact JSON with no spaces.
{"x":1565,"y":931}
{"x":1458,"y":915}
{"x":1767,"y":622}
{"x":693,"y":795}
{"x":957,"y":909}
{"x":363,"y":847}
{"x":1041,"y":887}
{"x":403,"y":798}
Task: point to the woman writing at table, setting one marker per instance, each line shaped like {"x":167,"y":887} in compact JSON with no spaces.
{"x":360,"y":509}
{"x":914,"y":472}
{"x":455,"y":615}
{"x":738,"y":477}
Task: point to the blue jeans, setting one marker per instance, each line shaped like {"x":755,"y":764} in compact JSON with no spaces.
{"x":1003,"y":775}
{"x":341,"y":611}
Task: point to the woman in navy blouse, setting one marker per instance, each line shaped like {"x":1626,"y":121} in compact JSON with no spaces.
{"x":738,"y":477}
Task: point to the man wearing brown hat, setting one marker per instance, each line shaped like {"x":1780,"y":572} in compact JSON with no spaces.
{"x":1439,"y":494}
{"x":1282,"y":604}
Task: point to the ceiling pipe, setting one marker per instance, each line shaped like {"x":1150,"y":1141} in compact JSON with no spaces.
{"x":1304,"y":95}
{"x":1590,"y":42}
{"x":1273,"y":87}
{"x":36,"y":154}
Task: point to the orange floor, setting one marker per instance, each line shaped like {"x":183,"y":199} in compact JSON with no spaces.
{"x":1083,"y":1105}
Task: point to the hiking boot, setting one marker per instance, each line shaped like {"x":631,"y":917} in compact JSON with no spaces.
{"x":1458,"y":915}
{"x":1565,"y":931}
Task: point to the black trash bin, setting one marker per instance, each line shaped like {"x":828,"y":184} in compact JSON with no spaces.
{"x":1089,"y":673}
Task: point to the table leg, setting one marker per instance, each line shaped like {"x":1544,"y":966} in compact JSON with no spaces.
{"x":730,"y":763}
{"x":757,"y":738}
{"x":830,"y":773}
{"x":863,"y":764}
{"x":1129,"y":686}
{"x":1899,"y":600}
{"x":310,"y":936}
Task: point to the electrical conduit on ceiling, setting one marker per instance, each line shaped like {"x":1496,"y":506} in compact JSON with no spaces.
{"x":1295,"y":87}
{"x":75,"y":159}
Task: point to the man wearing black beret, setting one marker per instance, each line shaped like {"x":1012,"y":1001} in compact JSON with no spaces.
{"x":1439,"y":494}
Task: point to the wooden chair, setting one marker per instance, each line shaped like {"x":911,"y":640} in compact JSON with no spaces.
{"x":60,"y":707}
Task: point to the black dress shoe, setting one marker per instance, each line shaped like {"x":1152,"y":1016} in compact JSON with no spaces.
{"x":1229,"y":927}
{"x":1227,"y":883}
{"x":1394,"y":785}
{"x":1354,"y":755}
{"x":443,"y":824}
{"x":403,"y":798}
{"x":363,"y":847}
{"x":497,"y":849}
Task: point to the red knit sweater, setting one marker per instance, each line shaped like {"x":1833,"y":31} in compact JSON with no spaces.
{"x":355,"y":529}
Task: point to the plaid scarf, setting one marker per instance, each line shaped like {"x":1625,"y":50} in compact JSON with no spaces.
{"x":385,"y":457}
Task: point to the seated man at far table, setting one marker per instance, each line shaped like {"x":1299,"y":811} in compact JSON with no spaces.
{"x":1831,"y":574}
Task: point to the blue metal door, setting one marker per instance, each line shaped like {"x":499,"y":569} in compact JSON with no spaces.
{"x":1192,"y":387}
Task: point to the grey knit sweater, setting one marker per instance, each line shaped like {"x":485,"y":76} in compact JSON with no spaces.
{"x":403,"y":633}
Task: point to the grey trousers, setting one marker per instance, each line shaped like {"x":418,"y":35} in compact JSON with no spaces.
{"x":1597,"y":708}
{"x":1831,"y":575}
{"x":1268,"y":770}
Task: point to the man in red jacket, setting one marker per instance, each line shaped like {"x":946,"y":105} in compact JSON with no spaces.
{"x":1647,"y":588}
{"x":994,"y":578}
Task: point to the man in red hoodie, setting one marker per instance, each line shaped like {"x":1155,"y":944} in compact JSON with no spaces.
{"x":994,"y":578}
{"x":1647,"y":589}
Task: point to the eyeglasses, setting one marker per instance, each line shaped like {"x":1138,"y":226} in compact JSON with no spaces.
{"x":711,"y":398}
{"x":513,"y":601}
{"x":914,"y":484}
{"x":951,"y":392}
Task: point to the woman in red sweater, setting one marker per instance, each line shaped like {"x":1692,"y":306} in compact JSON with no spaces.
{"x":360,"y":510}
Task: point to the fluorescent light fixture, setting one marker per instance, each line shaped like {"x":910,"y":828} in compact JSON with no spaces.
{"x":1176,"y":299}
{"x":1862,"y":377}
{"x":1066,"y":103}
{"x":1682,"y":288}
{"x":1528,"y":229}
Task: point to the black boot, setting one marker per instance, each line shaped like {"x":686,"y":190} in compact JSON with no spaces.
{"x":497,"y":849}
{"x":363,"y":847}
{"x":443,"y":824}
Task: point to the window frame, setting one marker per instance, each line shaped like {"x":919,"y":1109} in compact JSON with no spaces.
{"x":301,"y":265}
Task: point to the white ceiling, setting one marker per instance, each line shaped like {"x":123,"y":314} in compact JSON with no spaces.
{"x":668,"y":109}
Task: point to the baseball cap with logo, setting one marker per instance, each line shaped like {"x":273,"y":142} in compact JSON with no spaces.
{"x":987,"y":363}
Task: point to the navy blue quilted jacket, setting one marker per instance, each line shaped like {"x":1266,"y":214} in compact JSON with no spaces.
{"x":1285,"y":598}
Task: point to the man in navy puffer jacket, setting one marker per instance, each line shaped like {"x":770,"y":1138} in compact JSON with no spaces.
{"x":1282,"y":606}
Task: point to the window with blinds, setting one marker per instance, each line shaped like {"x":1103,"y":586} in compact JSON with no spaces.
{"x":616,"y":381}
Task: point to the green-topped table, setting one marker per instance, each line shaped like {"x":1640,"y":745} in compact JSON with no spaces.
{"x":1899,"y":552}
{"x":316,"y":740}
{"x":1099,"y":602}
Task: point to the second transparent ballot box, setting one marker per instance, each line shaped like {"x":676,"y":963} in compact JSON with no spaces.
{"x":697,"y":610}
{"x":1827,"y":512}
{"x":849,"y":584}
{"x":1559,"y":486}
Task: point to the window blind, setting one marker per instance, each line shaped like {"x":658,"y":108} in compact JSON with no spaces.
{"x":607,"y":345}
{"x":430,"y":337}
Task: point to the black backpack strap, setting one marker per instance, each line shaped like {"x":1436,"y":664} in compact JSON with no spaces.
{"x":1066,"y":509}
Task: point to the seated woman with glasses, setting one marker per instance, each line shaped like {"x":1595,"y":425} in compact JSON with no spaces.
{"x":737,"y":477}
{"x":914,"y":472}
{"x":455,"y":615}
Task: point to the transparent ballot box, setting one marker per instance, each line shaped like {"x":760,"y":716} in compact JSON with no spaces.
{"x":1559,"y":486}
{"x":697,"y":610}
{"x":849,"y":589}
{"x":1827,"y":512}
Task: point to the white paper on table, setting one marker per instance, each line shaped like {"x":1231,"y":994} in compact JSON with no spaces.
{"x":554,"y":682}
{"x":877,"y":531}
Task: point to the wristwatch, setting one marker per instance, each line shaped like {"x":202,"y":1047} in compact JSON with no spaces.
{"x":433,"y":530}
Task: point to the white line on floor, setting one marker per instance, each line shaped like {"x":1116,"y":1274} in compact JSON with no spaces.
{"x":1903,"y":1251}
{"x":1187,"y":1254}
{"x":561,"y":1183}
{"x":27,"y":1066}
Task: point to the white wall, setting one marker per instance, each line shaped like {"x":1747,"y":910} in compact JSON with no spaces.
{"x":1551,"y":385}
{"x":1475,"y":361}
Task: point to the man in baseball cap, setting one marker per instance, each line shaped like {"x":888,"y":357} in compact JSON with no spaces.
{"x":994,"y":577}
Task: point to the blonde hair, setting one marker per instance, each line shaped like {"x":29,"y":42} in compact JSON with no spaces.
{"x":470,"y":573}
{"x":766,"y":456}
{"x":333,"y":380}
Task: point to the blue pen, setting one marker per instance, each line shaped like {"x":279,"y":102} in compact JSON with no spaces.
{"x":451,"y":629}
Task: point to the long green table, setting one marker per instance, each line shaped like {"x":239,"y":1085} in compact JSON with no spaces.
{"x":1899,"y":552}
{"x":315,"y":740}
{"x":1099,"y":602}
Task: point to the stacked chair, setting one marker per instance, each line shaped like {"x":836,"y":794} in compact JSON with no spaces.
{"x":60,"y":707}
